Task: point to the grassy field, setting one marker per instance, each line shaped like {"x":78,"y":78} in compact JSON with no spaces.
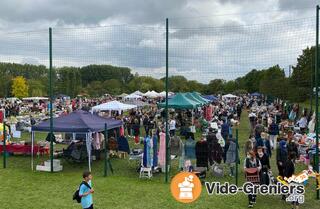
{"x":23,"y":188}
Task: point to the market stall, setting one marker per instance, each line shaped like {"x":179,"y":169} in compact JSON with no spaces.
{"x":138,"y":93}
{"x":35,"y":99}
{"x":229,"y":96}
{"x":180,"y":101}
{"x":152,"y":94}
{"x":81,"y":122}
{"x":211,"y":98}
{"x":25,"y":149}
{"x":113,"y":106}
{"x":132,"y":96}
{"x":138,"y":103}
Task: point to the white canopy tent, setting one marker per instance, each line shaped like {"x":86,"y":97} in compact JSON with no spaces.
{"x":133,"y":96}
{"x":148,"y":92}
{"x":152,"y":94}
{"x":34,"y":98}
{"x":113,"y":105}
{"x":229,"y":96}
{"x":138,"y":93}
{"x":163,"y":94}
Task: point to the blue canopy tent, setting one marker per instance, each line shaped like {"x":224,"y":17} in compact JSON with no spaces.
{"x":77,"y":122}
{"x":210,"y":97}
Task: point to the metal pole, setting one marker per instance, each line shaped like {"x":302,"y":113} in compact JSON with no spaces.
{"x":105,"y":150}
{"x":4,"y":84}
{"x":51,"y":97}
{"x":4,"y":146}
{"x":237,"y":157}
{"x":317,"y":94}
{"x":311,"y":93}
{"x":166,"y":109}
{"x":312,"y":85}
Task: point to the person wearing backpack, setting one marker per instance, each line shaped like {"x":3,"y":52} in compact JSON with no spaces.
{"x":86,"y":191}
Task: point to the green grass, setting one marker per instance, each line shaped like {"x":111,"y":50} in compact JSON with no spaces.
{"x":23,"y":188}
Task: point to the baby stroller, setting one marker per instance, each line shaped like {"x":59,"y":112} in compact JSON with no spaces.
{"x":252,"y":175}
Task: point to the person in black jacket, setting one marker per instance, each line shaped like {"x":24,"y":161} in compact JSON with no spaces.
{"x":202,"y":153}
{"x":289,"y":170}
{"x":265,"y":164}
{"x":146,"y":122}
{"x":293,"y":148}
{"x":282,"y":156}
{"x":289,"y":166}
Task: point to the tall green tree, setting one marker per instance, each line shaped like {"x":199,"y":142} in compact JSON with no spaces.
{"x":273,"y":82}
{"x":216,"y":86}
{"x":36,"y":88}
{"x":112,"y":86}
{"x":302,"y":75}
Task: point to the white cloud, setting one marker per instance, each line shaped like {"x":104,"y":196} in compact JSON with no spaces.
{"x":204,"y":48}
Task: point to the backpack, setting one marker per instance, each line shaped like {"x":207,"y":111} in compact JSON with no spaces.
{"x":76,"y":195}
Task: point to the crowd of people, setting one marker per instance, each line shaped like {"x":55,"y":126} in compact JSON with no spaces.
{"x":276,"y":128}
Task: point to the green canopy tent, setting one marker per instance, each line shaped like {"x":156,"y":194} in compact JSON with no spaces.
{"x":199,"y":97}
{"x":193,"y":98}
{"x":180,"y":101}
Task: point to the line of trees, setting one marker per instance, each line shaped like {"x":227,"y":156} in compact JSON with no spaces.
{"x":96,"y":80}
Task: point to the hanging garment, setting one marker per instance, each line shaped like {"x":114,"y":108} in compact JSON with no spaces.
{"x":311,"y":126}
{"x":182,"y":158}
{"x":147,"y":152}
{"x":155,"y":150}
{"x":1,"y":116}
{"x":121,"y":131}
{"x":215,"y":152}
{"x":112,"y":144}
{"x":162,"y":149}
{"x":175,"y":145}
{"x":190,"y":149}
{"x":150,"y":152}
{"x":202,"y":153}
{"x":96,"y":142}
{"x":231,"y":154}
{"x":123,"y":144}
{"x":208,"y":113}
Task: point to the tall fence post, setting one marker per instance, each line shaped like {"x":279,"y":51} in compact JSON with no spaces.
{"x":4,"y":146}
{"x":317,"y":94}
{"x":166,"y":109}
{"x":51,"y":98}
{"x":237,"y":157}
{"x":312,"y":85}
{"x":105,"y":150}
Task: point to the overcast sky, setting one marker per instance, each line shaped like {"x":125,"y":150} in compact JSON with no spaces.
{"x":208,"y":39}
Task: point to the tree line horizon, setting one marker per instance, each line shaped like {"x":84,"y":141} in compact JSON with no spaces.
{"x":97,"y":80}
